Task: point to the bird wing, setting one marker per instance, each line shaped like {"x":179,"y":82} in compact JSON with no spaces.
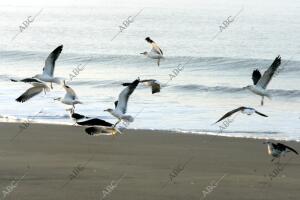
{"x":94,"y":122}
{"x":156,"y":50}
{"x":283,"y":147}
{"x":50,"y":61}
{"x":266,"y":78}
{"x":77,"y":116}
{"x":28,"y":94}
{"x":70,"y":93}
{"x":124,"y":96}
{"x":259,"y":113}
{"x":27,"y":80}
{"x":230,"y":113}
{"x":155,"y":86}
{"x":256,"y":75}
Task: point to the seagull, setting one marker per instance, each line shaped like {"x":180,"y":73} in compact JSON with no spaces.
{"x":242,"y":109}
{"x":155,"y":53}
{"x":260,"y":83}
{"x":121,"y":105}
{"x":278,"y":150}
{"x":154,"y":84}
{"x":48,"y":70}
{"x":95,"y":131}
{"x":70,"y":97}
{"x":38,"y":87}
{"x":75,"y":116}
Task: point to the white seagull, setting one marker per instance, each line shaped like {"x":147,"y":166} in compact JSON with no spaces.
{"x":38,"y":87}
{"x":278,"y":150}
{"x":121,"y":105}
{"x":261,"y":82}
{"x":155,"y":53}
{"x":242,"y":109}
{"x":154,"y":84}
{"x":70,"y":97}
{"x":48,"y":70}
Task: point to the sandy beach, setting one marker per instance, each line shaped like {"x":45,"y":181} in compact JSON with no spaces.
{"x":62,"y":162}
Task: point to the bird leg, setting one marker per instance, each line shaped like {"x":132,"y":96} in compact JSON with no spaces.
{"x":51,"y":85}
{"x":262,"y":101}
{"x":158,"y":61}
{"x":116,"y":123}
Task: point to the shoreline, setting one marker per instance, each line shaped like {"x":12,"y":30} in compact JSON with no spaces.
{"x":185,"y":132}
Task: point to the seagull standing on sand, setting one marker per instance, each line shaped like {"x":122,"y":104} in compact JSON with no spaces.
{"x":154,"y":84}
{"x":121,"y":105}
{"x":278,"y":150}
{"x":70,"y":97}
{"x":96,"y":126}
{"x":38,"y":87}
{"x":155,"y":53}
{"x":242,"y":109}
{"x":48,"y":70}
{"x":261,"y":82}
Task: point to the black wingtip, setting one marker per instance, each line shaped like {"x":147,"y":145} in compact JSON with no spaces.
{"x":20,"y":100}
{"x":126,"y":84}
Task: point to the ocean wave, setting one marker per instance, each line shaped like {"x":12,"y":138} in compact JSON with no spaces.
{"x":195,"y":63}
{"x":230,"y":90}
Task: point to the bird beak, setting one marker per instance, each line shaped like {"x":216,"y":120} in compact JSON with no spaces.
{"x":141,"y":53}
{"x":56,"y":99}
{"x":105,"y":110}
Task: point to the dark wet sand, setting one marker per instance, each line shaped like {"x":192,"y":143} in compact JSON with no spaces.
{"x":141,"y":164}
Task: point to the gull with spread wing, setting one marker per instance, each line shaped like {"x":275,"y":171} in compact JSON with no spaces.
{"x":260,"y":83}
{"x":70,"y":97}
{"x":154,"y":84}
{"x":38,"y":87}
{"x":48,"y":70}
{"x":155,"y":53}
{"x":278,"y":150}
{"x":121,"y":105}
{"x":244,"y":110}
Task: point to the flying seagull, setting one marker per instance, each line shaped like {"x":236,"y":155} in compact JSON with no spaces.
{"x":155,"y":53}
{"x":242,"y":109}
{"x":121,"y":105}
{"x":38,"y":87}
{"x":278,"y":150}
{"x":48,"y":70}
{"x":70,"y":97}
{"x":260,"y":83}
{"x":154,"y":84}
